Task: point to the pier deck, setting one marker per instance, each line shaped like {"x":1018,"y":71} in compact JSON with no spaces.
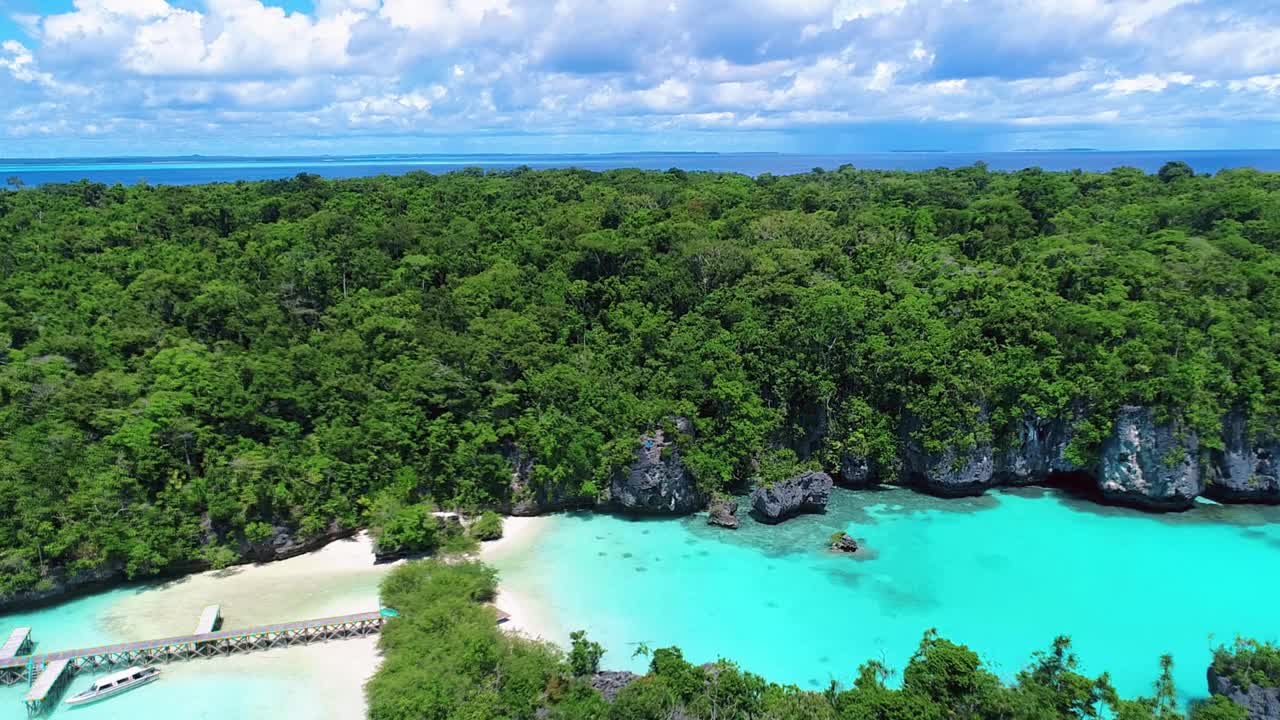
{"x":189,"y":647}
{"x":19,"y":643}
{"x":48,"y":687}
{"x":53,"y":671}
{"x":210,"y":620}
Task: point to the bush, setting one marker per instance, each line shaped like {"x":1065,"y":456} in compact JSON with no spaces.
{"x":584,"y":655}
{"x":444,"y":656}
{"x":1249,"y":662}
{"x":407,"y":529}
{"x":1218,"y":708}
{"x":487,"y":527}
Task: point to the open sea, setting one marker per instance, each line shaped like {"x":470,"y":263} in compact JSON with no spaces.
{"x":195,"y":170}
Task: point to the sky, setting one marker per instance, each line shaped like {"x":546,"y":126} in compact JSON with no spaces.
{"x":171,"y":77}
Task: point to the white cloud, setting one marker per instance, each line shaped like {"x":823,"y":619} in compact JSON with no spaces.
{"x":847,"y":11}
{"x":565,"y":66}
{"x":1147,"y":82}
{"x":1259,"y":83}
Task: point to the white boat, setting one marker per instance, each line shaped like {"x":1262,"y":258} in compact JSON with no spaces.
{"x":115,"y":684}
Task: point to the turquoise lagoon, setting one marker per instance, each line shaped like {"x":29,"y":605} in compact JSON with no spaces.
{"x":1003,"y":573}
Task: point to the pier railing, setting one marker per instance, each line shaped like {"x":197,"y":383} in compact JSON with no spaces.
{"x":49,"y":672}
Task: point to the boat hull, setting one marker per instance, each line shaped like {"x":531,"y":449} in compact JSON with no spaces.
{"x":88,"y":699}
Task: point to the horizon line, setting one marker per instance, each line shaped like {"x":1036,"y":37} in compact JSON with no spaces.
{"x":636,"y":153}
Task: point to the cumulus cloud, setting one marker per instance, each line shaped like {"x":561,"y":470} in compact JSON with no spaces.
{"x":244,"y":68}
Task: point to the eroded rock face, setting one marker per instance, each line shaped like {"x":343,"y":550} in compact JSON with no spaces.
{"x":1247,"y":469}
{"x":284,"y":543}
{"x":1262,"y":703}
{"x":808,"y":492}
{"x":526,"y":498}
{"x":657,"y":481}
{"x":1148,"y":464}
{"x":723,"y":512}
{"x":814,"y":426}
{"x":950,"y":473}
{"x":858,"y":472}
{"x":60,"y":585}
{"x":1036,"y":450}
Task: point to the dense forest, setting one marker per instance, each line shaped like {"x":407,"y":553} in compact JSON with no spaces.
{"x":187,"y":373}
{"x":445,"y":659}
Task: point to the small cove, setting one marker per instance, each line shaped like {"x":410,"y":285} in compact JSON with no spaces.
{"x":1004,"y":573}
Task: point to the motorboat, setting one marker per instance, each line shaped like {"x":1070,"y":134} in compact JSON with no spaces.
{"x":115,"y":684}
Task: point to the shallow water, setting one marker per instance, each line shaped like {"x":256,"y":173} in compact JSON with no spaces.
{"x":1003,"y":574}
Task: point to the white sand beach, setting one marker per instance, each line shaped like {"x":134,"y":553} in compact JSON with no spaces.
{"x":337,"y":579}
{"x":527,"y":615}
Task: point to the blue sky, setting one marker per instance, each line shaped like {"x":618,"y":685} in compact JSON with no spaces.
{"x":159,"y":77}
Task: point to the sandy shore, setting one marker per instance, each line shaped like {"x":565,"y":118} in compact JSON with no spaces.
{"x":527,"y":616}
{"x":337,"y":579}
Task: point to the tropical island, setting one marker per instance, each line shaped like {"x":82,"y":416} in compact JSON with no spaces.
{"x":197,"y":377}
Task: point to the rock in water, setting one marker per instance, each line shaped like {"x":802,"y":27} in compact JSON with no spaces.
{"x":657,"y":481}
{"x":808,"y":492}
{"x":842,"y":542}
{"x":1247,"y":469}
{"x":723,"y":512}
{"x":1148,"y":464}
{"x":1262,"y":703}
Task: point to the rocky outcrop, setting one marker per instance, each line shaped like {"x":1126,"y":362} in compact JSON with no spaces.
{"x":657,"y":482}
{"x":808,"y":492}
{"x":953,"y":472}
{"x":812,"y":426}
{"x":526,"y":498}
{"x":844,"y":543}
{"x":1036,"y":450}
{"x":60,"y":585}
{"x":1262,"y":703}
{"x":858,"y":472}
{"x":285,"y":543}
{"x":723,"y":512}
{"x":1149,"y":464}
{"x":611,"y":682}
{"x":1247,"y":468}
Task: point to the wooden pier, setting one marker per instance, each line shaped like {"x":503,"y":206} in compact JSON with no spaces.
{"x":19,"y":643}
{"x":48,"y":687}
{"x":50,"y":673}
{"x":210,"y":620}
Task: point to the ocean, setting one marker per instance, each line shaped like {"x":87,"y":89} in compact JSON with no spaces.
{"x":196,"y":170}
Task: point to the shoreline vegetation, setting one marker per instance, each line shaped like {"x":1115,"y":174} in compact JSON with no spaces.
{"x":444,"y":659}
